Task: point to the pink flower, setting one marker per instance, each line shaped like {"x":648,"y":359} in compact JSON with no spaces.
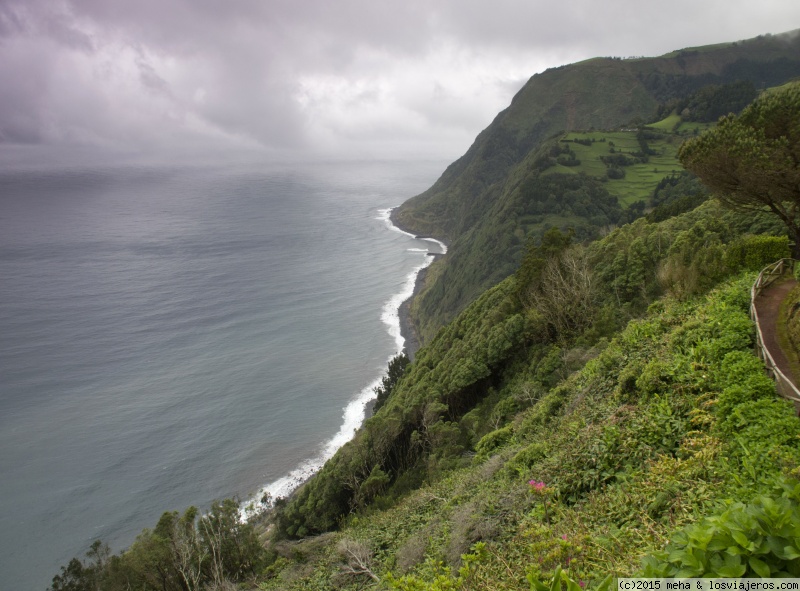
{"x":564,"y":537}
{"x":536,"y":484}
{"x":582,"y":584}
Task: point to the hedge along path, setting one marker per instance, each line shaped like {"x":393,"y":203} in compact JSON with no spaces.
{"x":768,"y":292}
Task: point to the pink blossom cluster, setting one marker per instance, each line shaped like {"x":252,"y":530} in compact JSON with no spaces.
{"x":536,"y":485}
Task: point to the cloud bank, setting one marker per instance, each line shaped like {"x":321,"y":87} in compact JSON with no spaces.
{"x":352,"y":77}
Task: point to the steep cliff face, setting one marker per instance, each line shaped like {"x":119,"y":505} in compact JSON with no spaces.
{"x":476,"y":203}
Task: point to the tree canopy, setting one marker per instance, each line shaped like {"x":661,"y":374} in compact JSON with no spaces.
{"x":753,"y":161}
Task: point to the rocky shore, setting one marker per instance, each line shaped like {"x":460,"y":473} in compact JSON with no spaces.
{"x":407,"y":328}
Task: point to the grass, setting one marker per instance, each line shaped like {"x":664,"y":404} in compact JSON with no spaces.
{"x":640,"y":179}
{"x":669,"y":123}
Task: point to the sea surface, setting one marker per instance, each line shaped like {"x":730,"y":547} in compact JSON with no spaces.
{"x":172,"y":335}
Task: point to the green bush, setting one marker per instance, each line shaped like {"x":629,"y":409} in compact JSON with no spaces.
{"x":743,"y":380}
{"x":765,"y":423}
{"x":759,"y":539}
{"x":655,"y":377}
{"x":756,"y":252}
{"x":492,"y":441}
{"x":527,"y":458}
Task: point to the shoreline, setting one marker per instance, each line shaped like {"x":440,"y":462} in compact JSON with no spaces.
{"x":408,"y":331}
{"x":293,"y":482}
{"x":411,"y":340}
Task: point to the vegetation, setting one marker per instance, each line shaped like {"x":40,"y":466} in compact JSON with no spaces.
{"x":480,"y":204}
{"x":182,"y":553}
{"x":711,"y":102}
{"x":753,"y":161}
{"x":671,"y":421}
{"x":454,"y":391}
{"x":597,"y":412}
{"x":397,"y":366}
{"x":759,"y":539}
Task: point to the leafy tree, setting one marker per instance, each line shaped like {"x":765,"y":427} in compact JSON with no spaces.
{"x":74,"y":577}
{"x":397,"y":366}
{"x":186,"y":552}
{"x":529,"y":275}
{"x":231,"y":544}
{"x":82,"y":576}
{"x":752,"y":161}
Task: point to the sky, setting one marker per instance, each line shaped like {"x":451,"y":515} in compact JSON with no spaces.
{"x":323,"y":78}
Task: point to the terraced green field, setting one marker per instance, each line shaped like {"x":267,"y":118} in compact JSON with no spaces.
{"x":640,"y":179}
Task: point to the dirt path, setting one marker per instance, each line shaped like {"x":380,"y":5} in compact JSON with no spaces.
{"x":767,"y":305}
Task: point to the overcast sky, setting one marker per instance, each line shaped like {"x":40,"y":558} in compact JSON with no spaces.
{"x":323,"y":77}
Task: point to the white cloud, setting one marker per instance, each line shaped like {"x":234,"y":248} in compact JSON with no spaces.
{"x":360,"y":76}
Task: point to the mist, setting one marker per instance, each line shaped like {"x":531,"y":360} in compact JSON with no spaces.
{"x":279,"y":79}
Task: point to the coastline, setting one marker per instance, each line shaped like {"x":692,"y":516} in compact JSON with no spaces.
{"x":408,"y":331}
{"x":289,"y":486}
{"x":411,"y":341}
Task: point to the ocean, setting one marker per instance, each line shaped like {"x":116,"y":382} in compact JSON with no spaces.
{"x":172,"y":335}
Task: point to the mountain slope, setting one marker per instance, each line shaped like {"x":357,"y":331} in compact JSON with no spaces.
{"x":660,"y":427}
{"x":478,"y":200}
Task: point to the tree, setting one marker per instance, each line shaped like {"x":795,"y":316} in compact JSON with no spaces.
{"x":188,"y":551}
{"x":82,"y":576}
{"x":529,"y":275}
{"x":397,"y":367}
{"x":231,"y":544}
{"x":567,"y":294}
{"x":752,"y":161}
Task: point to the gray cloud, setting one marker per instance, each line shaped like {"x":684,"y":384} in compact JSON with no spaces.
{"x":352,"y":76}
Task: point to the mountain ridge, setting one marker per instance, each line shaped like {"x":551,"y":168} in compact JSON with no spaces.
{"x":599,"y":93}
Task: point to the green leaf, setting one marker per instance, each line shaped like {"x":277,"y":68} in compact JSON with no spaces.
{"x":786,"y":553}
{"x":556,"y":585}
{"x":607,"y":584}
{"x":689,"y":573}
{"x":760,"y":567}
{"x":731,"y":570}
{"x":790,"y":553}
{"x":740,"y":538}
{"x":536,"y":584}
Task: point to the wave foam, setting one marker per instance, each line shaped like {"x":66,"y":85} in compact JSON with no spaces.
{"x":355,"y":412}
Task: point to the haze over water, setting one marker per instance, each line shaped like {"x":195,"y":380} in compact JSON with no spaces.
{"x":174,"y":335}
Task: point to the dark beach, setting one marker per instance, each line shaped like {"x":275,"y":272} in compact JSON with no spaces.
{"x":407,"y":329}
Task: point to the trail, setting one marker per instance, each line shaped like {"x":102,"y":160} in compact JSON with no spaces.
{"x":768,"y":304}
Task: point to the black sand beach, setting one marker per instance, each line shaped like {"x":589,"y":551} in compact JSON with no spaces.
{"x":407,"y":329}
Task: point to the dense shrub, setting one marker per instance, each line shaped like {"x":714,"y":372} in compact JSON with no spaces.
{"x":755,"y":252}
{"x":757,"y":539}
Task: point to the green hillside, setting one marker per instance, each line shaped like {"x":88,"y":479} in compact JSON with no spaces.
{"x":598,"y":411}
{"x":634,"y":433}
{"x":479,"y":200}
{"x":536,"y":433}
{"x":629,"y":450}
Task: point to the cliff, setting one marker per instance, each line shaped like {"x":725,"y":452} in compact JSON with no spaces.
{"x":478,"y":204}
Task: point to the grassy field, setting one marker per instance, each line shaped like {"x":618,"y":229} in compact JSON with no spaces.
{"x":668,"y":124}
{"x":640,"y":179}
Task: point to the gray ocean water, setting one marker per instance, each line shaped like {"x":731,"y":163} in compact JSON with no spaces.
{"x":174,"y":335}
